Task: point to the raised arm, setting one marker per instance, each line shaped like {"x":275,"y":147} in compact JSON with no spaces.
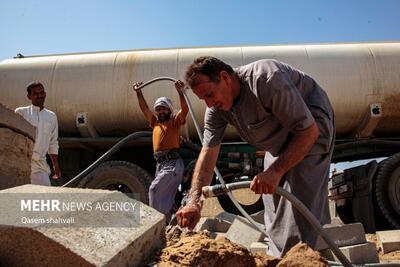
{"x":179,"y":85}
{"x":142,"y":103}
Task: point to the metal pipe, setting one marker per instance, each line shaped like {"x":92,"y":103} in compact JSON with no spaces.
{"x":138,"y":87}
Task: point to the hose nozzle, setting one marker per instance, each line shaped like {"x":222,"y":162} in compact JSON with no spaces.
{"x":214,"y":191}
{"x":219,"y":189}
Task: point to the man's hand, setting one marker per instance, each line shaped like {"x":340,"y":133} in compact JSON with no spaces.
{"x":179,"y":85}
{"x":57,"y":173}
{"x":136,"y":85}
{"x":56,"y":166}
{"x":294,"y":152}
{"x":188,"y":216}
{"x":266,"y":182}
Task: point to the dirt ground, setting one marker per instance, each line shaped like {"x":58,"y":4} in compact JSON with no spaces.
{"x":199,"y":249}
{"x":393,"y":256}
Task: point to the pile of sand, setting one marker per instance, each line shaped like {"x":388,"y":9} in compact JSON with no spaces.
{"x":391,"y":256}
{"x":302,"y":255}
{"x":199,"y":249}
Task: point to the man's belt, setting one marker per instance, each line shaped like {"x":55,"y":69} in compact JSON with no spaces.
{"x":166,"y":156}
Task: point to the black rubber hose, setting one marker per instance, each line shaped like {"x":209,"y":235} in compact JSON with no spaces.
{"x":219,"y":189}
{"x":74,"y":181}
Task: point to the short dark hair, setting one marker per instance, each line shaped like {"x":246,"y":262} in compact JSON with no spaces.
{"x":209,"y":66}
{"x":32,"y":85}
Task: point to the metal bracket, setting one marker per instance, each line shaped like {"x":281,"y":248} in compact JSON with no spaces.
{"x":369,"y":121}
{"x":85,"y":128}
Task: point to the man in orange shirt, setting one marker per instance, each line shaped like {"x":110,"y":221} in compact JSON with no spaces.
{"x":169,"y":169}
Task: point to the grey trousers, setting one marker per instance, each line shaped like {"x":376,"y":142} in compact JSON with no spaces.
{"x":164,"y":187}
{"x":40,"y":178}
{"x":308,"y":181}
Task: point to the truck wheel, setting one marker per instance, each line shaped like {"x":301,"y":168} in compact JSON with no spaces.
{"x":345,"y":212}
{"x":387,"y":190}
{"x":227,"y":204}
{"x":121,"y":176}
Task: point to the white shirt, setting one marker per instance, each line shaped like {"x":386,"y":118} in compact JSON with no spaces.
{"x":46,"y":141}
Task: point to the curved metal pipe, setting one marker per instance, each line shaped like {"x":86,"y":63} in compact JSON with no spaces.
{"x":138,"y":87}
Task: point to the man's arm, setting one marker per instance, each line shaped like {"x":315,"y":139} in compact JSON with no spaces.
{"x":297,"y":148}
{"x":203,"y":172}
{"x":53,"y":150}
{"x":179,"y":85}
{"x":143,"y":105}
{"x":56,"y":166}
{"x":189,"y":215}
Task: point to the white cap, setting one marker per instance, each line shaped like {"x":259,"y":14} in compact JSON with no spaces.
{"x":163,"y":101}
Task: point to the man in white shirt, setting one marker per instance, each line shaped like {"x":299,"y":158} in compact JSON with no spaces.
{"x":46,"y":140}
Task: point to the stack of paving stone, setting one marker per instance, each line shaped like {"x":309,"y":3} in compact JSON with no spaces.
{"x":350,"y":238}
{"x":237,"y":229}
{"x":388,"y":241}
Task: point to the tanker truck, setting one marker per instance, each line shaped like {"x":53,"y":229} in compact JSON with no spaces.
{"x":92,"y":95}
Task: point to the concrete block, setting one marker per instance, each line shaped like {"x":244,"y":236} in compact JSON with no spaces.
{"x":223,"y":221}
{"x":204,"y":224}
{"x":258,"y":217}
{"x":343,"y":235}
{"x":15,"y":158}
{"x":219,"y":235}
{"x":361,"y":253}
{"x":80,"y":246}
{"x":16,"y":143}
{"x":388,"y":241}
{"x":244,"y":233}
{"x":9,"y":119}
{"x":260,"y":247}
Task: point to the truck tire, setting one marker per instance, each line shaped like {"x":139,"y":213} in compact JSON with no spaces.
{"x":387,"y":190}
{"x":227,"y":204}
{"x":121,"y":176}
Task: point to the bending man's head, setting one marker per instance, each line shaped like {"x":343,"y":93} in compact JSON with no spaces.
{"x":207,"y":66}
{"x":212,"y":80}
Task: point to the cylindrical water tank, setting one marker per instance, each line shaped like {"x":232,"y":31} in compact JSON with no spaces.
{"x":100,"y":84}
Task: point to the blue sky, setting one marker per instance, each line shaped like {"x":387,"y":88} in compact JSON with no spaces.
{"x":46,"y":27}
